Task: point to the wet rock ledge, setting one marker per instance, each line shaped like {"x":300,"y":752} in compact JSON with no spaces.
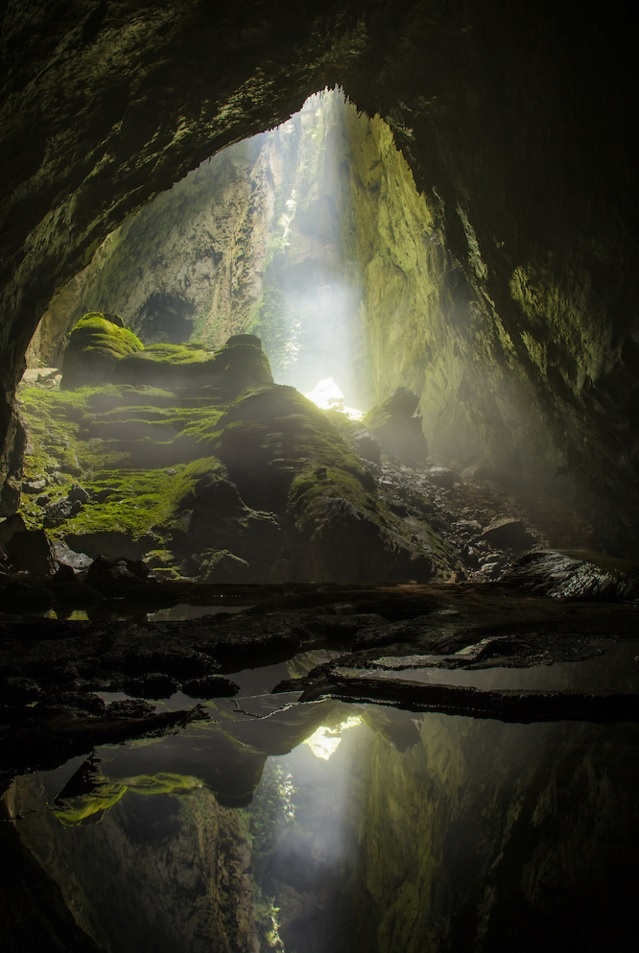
{"x":56,"y":675}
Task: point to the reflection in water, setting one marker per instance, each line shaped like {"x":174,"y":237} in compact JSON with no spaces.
{"x":419,"y":833}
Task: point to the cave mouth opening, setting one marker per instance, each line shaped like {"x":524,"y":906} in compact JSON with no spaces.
{"x":293,"y":263}
{"x":311,"y":236}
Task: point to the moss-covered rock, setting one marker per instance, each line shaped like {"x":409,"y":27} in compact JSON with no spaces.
{"x":270,"y":435}
{"x":285,"y":455}
{"x":216,"y":518}
{"x":96,"y":343}
{"x":170,"y":366}
{"x":262,"y":489}
{"x":240,"y":363}
{"x":346,"y":533}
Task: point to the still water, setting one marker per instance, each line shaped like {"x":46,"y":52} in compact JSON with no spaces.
{"x":328,"y":827}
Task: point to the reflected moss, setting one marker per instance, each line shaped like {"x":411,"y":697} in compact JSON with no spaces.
{"x":105,"y":794}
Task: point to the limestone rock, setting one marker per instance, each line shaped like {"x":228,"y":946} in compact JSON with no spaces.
{"x":118,"y":576}
{"x":397,"y":427}
{"x":96,"y":344}
{"x":565,"y":575}
{"x":508,"y":534}
{"x":32,"y":551}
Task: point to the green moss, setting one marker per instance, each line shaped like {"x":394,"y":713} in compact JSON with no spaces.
{"x":98,"y":437}
{"x":96,"y":345}
{"x":95,"y":331}
{"x":80,"y":809}
{"x":175,"y":353}
{"x":310,"y":490}
{"x":137,"y":503}
{"x":106,"y":794}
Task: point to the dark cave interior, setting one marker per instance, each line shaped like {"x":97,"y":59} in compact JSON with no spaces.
{"x":315,"y":681}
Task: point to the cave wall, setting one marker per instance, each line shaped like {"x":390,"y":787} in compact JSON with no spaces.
{"x":518,"y":120}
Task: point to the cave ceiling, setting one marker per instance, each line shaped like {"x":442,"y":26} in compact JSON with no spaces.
{"x":520,"y":119}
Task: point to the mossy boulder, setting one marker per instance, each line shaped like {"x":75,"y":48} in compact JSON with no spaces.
{"x":344,"y":533}
{"x":96,"y":344}
{"x":397,"y":427}
{"x":169,"y":366}
{"x":217,"y":519}
{"x":284,"y":455}
{"x":240,"y":363}
{"x":271,"y":434}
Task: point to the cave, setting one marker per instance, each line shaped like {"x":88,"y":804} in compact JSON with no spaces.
{"x":318,"y":476}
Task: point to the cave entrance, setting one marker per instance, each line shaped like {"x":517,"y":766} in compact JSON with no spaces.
{"x":311,"y":235}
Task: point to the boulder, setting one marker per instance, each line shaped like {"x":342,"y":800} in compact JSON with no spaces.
{"x":69,"y":558}
{"x":398,"y":428}
{"x":32,"y":551}
{"x":221,"y":520}
{"x":575,"y":575}
{"x":367,"y":447}
{"x":118,"y":576}
{"x":96,"y":344}
{"x":9,"y":527}
{"x":223,"y":567}
{"x":56,"y":513}
{"x":509,"y":534}
{"x":443,"y":476}
{"x":239,"y":364}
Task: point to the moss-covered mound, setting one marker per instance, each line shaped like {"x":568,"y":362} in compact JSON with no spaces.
{"x":170,"y":366}
{"x":261,"y":488}
{"x":96,"y":344}
{"x":285,"y":455}
{"x":101,"y":350}
{"x":240,"y":363}
{"x":125,"y":471}
{"x":271,"y":434}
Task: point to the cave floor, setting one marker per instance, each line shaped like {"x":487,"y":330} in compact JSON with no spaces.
{"x":384,"y":644}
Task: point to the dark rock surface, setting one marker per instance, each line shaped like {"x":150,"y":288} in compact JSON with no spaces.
{"x":398,"y":427}
{"x":60,"y":665}
{"x":32,"y":551}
